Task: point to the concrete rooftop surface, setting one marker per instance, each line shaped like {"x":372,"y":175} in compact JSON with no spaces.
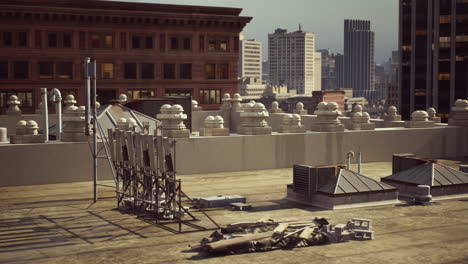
{"x":58,"y":223}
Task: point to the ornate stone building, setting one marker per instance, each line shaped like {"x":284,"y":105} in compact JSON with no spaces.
{"x":142,"y":50}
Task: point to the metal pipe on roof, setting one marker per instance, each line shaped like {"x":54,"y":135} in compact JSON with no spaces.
{"x":359,"y":162}
{"x":45,"y":114}
{"x":349,"y":155}
{"x":56,"y":97}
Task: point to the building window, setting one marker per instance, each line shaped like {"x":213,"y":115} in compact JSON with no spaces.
{"x":37,"y":39}
{"x":140,"y":93}
{"x":178,"y":92}
{"x":21,"y":70}
{"x":52,"y":40}
{"x":25,"y":98}
{"x":236,"y":44}
{"x":218,"y":44}
{"x":223,"y":71}
{"x":46,"y":70}
{"x":102,"y":40}
{"x":174,"y":43}
{"x":123,"y":41}
{"x":210,"y":96}
{"x":3,"y":69}
{"x":169,"y":71}
{"x":147,"y":71}
{"x":142,"y":42}
{"x":185,"y":71}
{"x":201,"y":43}
{"x":107,"y":71}
{"x":64,"y":70}
{"x":444,"y":76}
{"x":108,"y":41}
{"x":135,"y":42}
{"x":148,"y":42}
{"x":130,"y":70}
{"x":162,"y":42}
{"x":7,"y":39}
{"x":67,"y":40}
{"x":22,"y":39}
{"x":82,"y":40}
{"x":187,"y":43}
{"x":210,"y":72}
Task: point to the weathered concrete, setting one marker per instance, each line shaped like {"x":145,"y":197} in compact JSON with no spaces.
{"x":60,"y":224}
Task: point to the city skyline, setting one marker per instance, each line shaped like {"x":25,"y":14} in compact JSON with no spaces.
{"x":314,"y":16}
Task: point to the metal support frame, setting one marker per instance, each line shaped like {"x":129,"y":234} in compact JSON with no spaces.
{"x":146,"y":180}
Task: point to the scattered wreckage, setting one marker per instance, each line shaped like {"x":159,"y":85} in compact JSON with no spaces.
{"x":269,"y":235}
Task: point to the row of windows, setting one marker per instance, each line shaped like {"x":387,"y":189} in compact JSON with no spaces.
{"x":206,"y":96}
{"x":56,"y":39}
{"x":64,"y":70}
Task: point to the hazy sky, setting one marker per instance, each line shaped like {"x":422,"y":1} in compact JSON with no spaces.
{"x":323,"y":17}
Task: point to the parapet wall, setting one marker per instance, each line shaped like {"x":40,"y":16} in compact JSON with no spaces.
{"x":239,"y":153}
{"x":26,"y":164}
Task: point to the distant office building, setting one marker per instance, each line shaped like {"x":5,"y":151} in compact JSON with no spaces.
{"x":339,"y":71}
{"x":380,"y":82}
{"x":433,"y":45}
{"x":359,"y":58}
{"x":391,"y":69}
{"x":291,"y":60}
{"x":328,"y":70}
{"x":265,"y":71}
{"x":318,"y":71}
{"x":251,"y":88}
{"x":250,"y":58}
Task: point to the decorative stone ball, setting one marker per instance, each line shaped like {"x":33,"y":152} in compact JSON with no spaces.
{"x":98,"y":104}
{"x":322,"y":106}
{"x":237,"y":96}
{"x":249,"y":107}
{"x":21,"y":127}
{"x":419,"y":115}
{"x":357,"y":115}
{"x":252,"y":101}
{"x":259,"y":107}
{"x":219,"y":118}
{"x":392,"y":110}
{"x":300,"y":106}
{"x":357,"y":108}
{"x":365,"y":115}
{"x":461,"y":103}
{"x":132,"y":122}
{"x":431,"y":111}
{"x":226,"y":96}
{"x":296,"y":118}
{"x":165,"y":108}
{"x":13,"y":98}
{"x":69,"y":99}
{"x":177,"y":108}
{"x":31,"y":127}
{"x":209,"y":118}
{"x":194,"y":103}
{"x":275,"y":105}
{"x":332,"y":106}
{"x":123,"y":98}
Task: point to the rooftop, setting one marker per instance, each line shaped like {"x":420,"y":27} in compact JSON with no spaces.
{"x":60,"y":224}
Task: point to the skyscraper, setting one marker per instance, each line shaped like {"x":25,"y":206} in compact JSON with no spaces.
{"x":291,"y":60}
{"x":328,"y":70}
{"x":359,"y":58}
{"x":433,"y":45}
{"x":250,"y":59}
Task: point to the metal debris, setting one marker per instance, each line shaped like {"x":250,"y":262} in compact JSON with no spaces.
{"x":269,"y":235}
